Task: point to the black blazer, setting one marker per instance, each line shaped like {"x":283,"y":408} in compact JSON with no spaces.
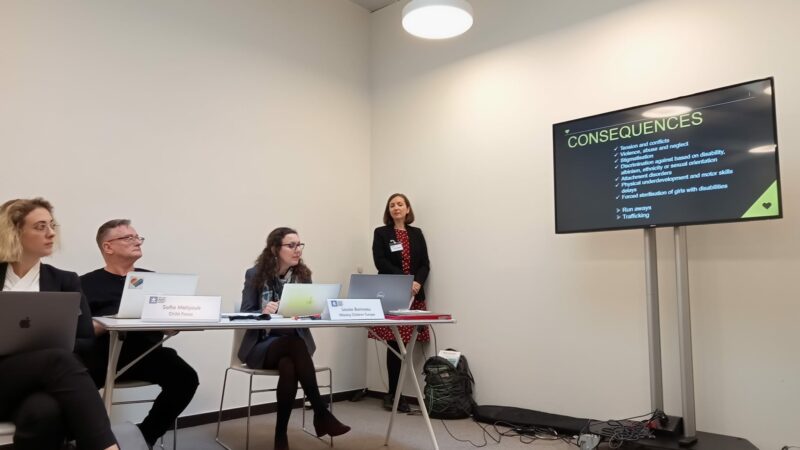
{"x":251,"y":302}
{"x":389,"y":262}
{"x":52,"y":279}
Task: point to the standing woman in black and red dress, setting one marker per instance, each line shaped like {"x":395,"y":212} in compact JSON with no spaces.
{"x":399,"y":248}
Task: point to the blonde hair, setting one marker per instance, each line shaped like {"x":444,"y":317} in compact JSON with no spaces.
{"x":12,"y":218}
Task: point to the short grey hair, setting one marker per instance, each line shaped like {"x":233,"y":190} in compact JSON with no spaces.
{"x":102,"y":232}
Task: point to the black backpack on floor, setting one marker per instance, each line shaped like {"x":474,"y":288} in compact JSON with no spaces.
{"x":448,"y":389}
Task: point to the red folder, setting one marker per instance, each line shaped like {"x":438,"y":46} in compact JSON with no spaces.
{"x":420,"y":316}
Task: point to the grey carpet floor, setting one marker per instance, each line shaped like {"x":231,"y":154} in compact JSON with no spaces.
{"x":369,"y":422}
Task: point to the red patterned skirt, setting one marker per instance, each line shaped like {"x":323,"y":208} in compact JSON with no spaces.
{"x":385,"y":333}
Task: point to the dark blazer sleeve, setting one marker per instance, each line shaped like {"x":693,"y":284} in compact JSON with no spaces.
{"x":385,"y":262}
{"x":251,"y":302}
{"x":423,"y":263}
{"x":56,"y":280}
{"x":84,"y":339}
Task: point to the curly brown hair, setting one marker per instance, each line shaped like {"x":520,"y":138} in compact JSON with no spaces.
{"x":267,"y":261}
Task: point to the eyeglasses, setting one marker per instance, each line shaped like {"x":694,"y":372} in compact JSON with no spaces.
{"x":294,"y":245}
{"x":41,"y":227}
{"x":129,"y":239}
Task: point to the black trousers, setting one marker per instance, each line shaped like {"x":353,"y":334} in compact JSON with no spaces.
{"x":49,"y":395}
{"x":163,"y":366}
{"x":393,"y":364}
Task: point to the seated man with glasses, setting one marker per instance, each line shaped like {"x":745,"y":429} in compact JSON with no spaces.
{"x":121,"y":247}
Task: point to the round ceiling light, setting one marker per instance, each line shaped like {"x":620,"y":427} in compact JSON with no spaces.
{"x":437,"y":19}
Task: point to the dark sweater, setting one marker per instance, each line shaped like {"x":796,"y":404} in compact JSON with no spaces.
{"x":104,"y":289}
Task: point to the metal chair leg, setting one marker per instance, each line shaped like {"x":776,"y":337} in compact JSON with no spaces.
{"x":249,"y":405}
{"x":174,"y":437}
{"x":219,"y":415}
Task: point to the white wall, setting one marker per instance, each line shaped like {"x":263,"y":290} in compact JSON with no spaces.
{"x":557,"y":323}
{"x":207,"y":123}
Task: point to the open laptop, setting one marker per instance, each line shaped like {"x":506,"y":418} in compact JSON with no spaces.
{"x":301,"y":299}
{"x":394,"y":291}
{"x":38,"y":320}
{"x":141,"y":285}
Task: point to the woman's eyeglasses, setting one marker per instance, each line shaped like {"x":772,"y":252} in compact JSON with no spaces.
{"x":41,"y":227}
{"x":294,"y":245}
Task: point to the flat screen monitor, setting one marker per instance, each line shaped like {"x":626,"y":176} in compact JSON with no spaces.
{"x":704,"y":158}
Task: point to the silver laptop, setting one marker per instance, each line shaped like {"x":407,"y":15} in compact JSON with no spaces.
{"x":394,"y":291}
{"x":140,"y":285}
{"x":38,"y":320}
{"x":301,"y":299}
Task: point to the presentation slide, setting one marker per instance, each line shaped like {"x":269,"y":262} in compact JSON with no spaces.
{"x":704,"y":158}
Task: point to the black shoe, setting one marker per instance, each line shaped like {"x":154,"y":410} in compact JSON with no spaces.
{"x":402,"y":406}
{"x":326,"y":423}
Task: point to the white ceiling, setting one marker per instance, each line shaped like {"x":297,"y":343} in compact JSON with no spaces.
{"x":373,"y":5}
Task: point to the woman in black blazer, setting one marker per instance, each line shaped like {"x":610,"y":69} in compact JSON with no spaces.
{"x":48,"y":394}
{"x":399,"y":248}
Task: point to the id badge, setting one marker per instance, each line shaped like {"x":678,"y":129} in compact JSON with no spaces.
{"x":395,"y":246}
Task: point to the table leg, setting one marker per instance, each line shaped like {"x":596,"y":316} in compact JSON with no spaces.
{"x":400,"y":382}
{"x":407,"y":367}
{"x":114,"y":347}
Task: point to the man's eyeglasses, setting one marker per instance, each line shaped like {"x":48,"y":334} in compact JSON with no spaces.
{"x":129,"y":239}
{"x":294,"y":245}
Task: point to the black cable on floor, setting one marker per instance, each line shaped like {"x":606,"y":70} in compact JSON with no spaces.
{"x":526,"y":435}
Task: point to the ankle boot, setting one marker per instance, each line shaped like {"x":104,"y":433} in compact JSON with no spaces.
{"x":326,"y":423}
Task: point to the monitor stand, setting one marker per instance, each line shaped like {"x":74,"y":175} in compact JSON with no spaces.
{"x":684,"y":433}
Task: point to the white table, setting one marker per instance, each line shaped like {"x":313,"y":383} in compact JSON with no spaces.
{"x":117,"y":326}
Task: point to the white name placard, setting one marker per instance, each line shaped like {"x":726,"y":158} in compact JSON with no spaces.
{"x":181,"y":308}
{"x":353,"y":309}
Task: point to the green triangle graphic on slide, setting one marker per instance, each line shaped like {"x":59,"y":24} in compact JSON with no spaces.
{"x":766,"y":205}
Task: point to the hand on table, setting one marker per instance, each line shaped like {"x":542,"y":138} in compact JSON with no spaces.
{"x":271,"y":308}
{"x":99,"y":329}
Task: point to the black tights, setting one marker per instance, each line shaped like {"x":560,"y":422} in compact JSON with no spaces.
{"x":48,"y":394}
{"x":392,"y":365}
{"x":289,"y":355}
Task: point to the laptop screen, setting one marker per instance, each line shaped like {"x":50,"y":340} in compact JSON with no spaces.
{"x":302,"y":299}
{"x":140,"y":285}
{"x":394,"y":291}
{"x":38,"y":320}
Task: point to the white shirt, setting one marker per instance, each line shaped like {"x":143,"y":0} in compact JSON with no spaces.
{"x":28,"y":283}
